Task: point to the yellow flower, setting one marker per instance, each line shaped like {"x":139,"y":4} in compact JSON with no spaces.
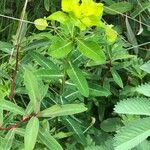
{"x":87,"y":12}
{"x":68,"y":5}
{"x":111,"y":34}
{"x":90,"y":8}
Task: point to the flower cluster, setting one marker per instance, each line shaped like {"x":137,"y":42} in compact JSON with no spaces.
{"x":83,"y":14}
{"x":87,"y":13}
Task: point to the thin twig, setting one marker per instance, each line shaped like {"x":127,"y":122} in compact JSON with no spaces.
{"x":17,"y":124}
{"x":18,"y":40}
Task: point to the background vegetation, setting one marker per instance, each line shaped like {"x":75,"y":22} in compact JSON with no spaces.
{"x":113,"y":114}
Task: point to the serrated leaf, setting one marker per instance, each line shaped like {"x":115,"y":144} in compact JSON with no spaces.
{"x":9,"y":106}
{"x":146,"y":67}
{"x":132,"y":134}
{"x":5,"y":47}
{"x":117,"y":78}
{"x":119,"y":7}
{"x":133,"y":106}
{"x":60,"y":48}
{"x":32,"y":87}
{"x":78,"y":79}
{"x":92,"y":50}
{"x":144,"y":89}
{"x":48,"y":74}
{"x":43,"y":61}
{"x":63,"y":110}
{"x":47,"y":139}
{"x":31,"y":133}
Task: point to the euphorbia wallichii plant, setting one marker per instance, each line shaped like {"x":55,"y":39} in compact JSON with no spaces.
{"x":83,"y":14}
{"x":81,"y":29}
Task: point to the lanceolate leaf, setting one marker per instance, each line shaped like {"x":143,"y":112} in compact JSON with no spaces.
{"x":134,"y":106}
{"x":117,"y":78}
{"x":78,"y":79}
{"x":117,"y":8}
{"x":97,"y":90}
{"x":29,"y":109}
{"x":47,"y":139}
{"x":63,"y":110}
{"x":47,"y":74}
{"x":132,"y":134}
{"x":31,"y":133}
{"x":144,"y":89}
{"x":60,"y":48}
{"x":9,"y":106}
{"x":43,"y":61}
{"x":131,"y":37}
{"x":31,"y":84}
{"x":6,"y":143}
{"x":92,"y":50}
{"x":76,"y":128}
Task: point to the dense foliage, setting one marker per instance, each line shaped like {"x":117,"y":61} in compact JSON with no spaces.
{"x":74,"y":75}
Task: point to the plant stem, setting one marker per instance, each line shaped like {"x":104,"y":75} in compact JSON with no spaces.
{"x":17,"y":44}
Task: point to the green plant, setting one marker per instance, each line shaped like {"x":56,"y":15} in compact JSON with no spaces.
{"x":67,"y":78}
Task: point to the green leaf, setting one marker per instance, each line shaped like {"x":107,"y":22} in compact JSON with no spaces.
{"x":47,"y":74}
{"x":60,"y":48}
{"x":97,"y":90}
{"x":144,"y":89}
{"x":140,"y":8}
{"x":118,"y":8}
{"x":37,"y":44}
{"x":31,"y":133}
{"x":1,"y":117}
{"x":47,"y":4}
{"x":111,"y":124}
{"x":131,"y":37}
{"x":48,"y":140}
{"x":78,"y":79}
{"x":9,"y":106}
{"x":32,"y":87}
{"x":43,"y":61}
{"x":95,"y":148}
{"x":132,"y":134}
{"x":63,"y":110}
{"x":59,"y":16}
{"x":133,"y":106}
{"x":117,"y":78}
{"x":75,"y":127}
{"x":146,"y":67}
{"x":6,"y":143}
{"x":92,"y":50}
{"x":29,"y":109}
{"x":5,"y":47}
{"x":144,"y":145}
